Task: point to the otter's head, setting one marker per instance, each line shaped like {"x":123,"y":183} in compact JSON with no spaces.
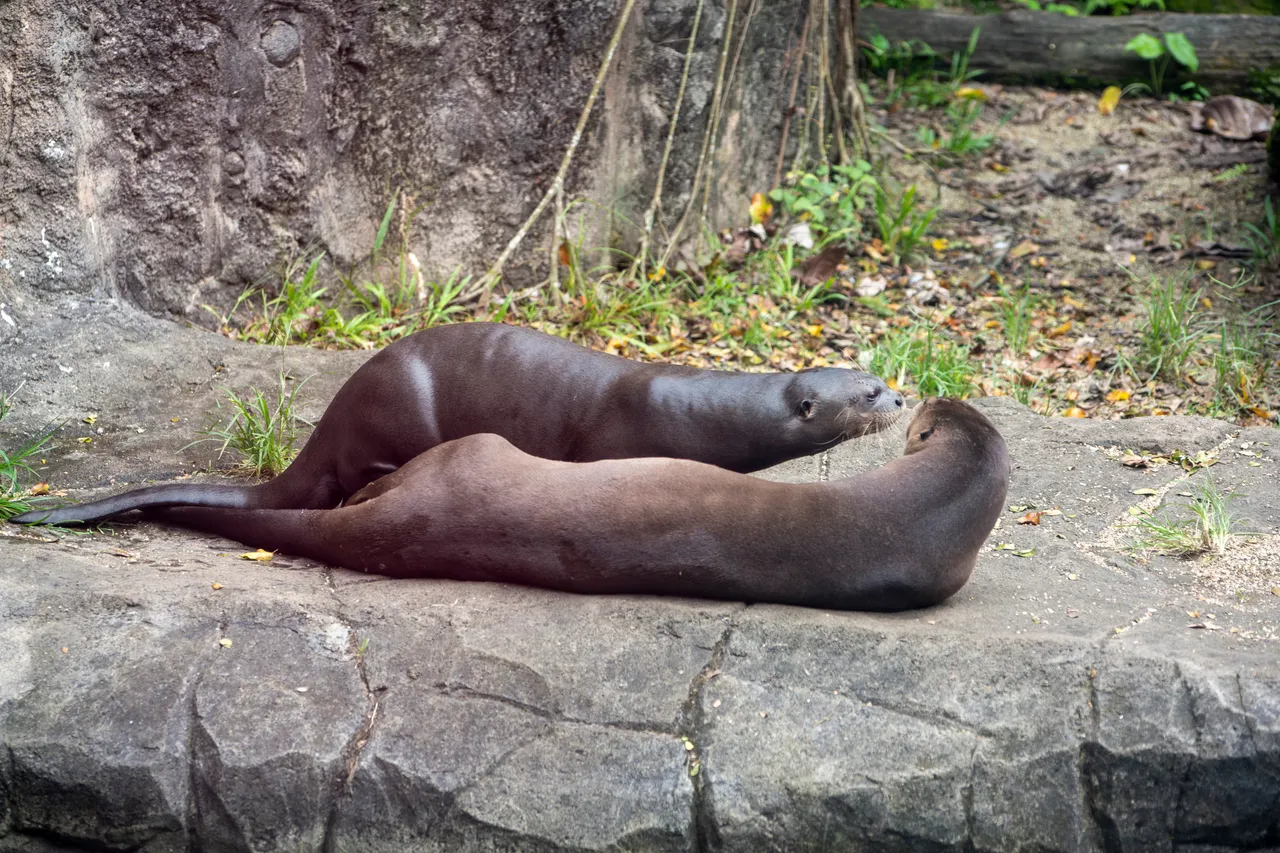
{"x":940,"y":419}
{"x":830,"y":404}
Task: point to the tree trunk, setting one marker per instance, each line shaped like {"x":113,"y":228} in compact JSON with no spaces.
{"x":1046,"y":47}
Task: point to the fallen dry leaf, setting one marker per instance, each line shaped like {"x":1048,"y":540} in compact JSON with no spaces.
{"x":1026,"y":247}
{"x":259,"y":555}
{"x":1058,"y":331}
{"x":761,"y":209}
{"x":821,"y":266}
{"x":1030,"y":518}
{"x":1110,"y":98}
{"x":1075,"y":412}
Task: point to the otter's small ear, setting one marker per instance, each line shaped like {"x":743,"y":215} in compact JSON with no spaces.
{"x":925,"y":435}
{"x":805,"y":409}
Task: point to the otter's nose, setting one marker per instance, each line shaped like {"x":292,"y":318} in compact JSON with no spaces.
{"x":898,"y":400}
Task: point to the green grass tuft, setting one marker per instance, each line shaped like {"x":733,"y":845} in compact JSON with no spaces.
{"x":263,"y":431}
{"x":934,"y":366}
{"x":14,"y":465}
{"x":1171,"y":329}
{"x":1210,"y":529}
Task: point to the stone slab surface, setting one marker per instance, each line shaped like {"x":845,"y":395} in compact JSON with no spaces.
{"x":1078,"y":699}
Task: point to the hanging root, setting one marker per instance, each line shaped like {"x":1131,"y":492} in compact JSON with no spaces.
{"x":491,"y":277}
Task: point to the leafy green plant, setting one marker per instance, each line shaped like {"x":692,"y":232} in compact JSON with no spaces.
{"x":14,"y":465}
{"x":1171,"y":330}
{"x":908,"y":58}
{"x":786,"y":288}
{"x":960,"y":138}
{"x":960,"y":70}
{"x":1210,"y":528}
{"x":923,"y":84}
{"x":1060,"y":8}
{"x":831,"y":199}
{"x":1158,"y":54}
{"x":935,"y":366}
{"x":901,"y":224}
{"x":440,"y":300}
{"x":1091,"y":7}
{"x":296,"y":310}
{"x":1264,"y":84}
{"x":1264,"y":236}
{"x":1121,"y":7}
{"x":263,"y":431}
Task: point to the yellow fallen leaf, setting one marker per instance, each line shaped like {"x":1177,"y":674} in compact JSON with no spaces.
{"x":1030,"y":518}
{"x":1205,"y":264}
{"x":38,"y":489}
{"x":1117,"y":396}
{"x":216,"y":585}
{"x":1075,"y":412}
{"x":1026,"y":247}
{"x":815,"y":330}
{"x":1206,"y":302}
{"x":657,"y":274}
{"x":970,"y":93}
{"x":1059,"y":331}
{"x":90,"y":419}
{"x":85,"y":440}
{"x":940,"y":244}
{"x":1109,"y":100}
{"x":174,"y":420}
{"x":259,"y":555}
{"x":998,"y":167}
{"x":225,"y":643}
{"x":1074,"y":303}
{"x":761,"y":209}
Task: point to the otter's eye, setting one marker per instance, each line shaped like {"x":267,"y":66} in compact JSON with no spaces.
{"x":871,"y":396}
{"x":924,"y":435}
{"x":805,"y":408}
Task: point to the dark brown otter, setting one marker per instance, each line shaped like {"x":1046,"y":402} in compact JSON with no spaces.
{"x":903,"y":535}
{"x":548,"y":397}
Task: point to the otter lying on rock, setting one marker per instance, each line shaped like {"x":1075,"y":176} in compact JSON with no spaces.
{"x":901,"y":536}
{"x":548,"y":397}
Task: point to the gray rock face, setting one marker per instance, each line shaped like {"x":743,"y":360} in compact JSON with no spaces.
{"x":1076,"y":699}
{"x":175,"y":153}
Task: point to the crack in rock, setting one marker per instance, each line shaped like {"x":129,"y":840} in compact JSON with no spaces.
{"x":705,"y":833}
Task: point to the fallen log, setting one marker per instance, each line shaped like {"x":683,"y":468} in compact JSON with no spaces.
{"x":1022,"y":46}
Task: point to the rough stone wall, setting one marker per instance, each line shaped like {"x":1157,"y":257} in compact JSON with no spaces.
{"x":174,"y":153}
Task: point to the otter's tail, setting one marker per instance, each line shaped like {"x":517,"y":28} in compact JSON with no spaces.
{"x":301,"y":532}
{"x":297,"y":487}
{"x":173,"y":494}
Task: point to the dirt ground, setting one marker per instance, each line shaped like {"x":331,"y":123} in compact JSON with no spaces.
{"x":1091,"y":211}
